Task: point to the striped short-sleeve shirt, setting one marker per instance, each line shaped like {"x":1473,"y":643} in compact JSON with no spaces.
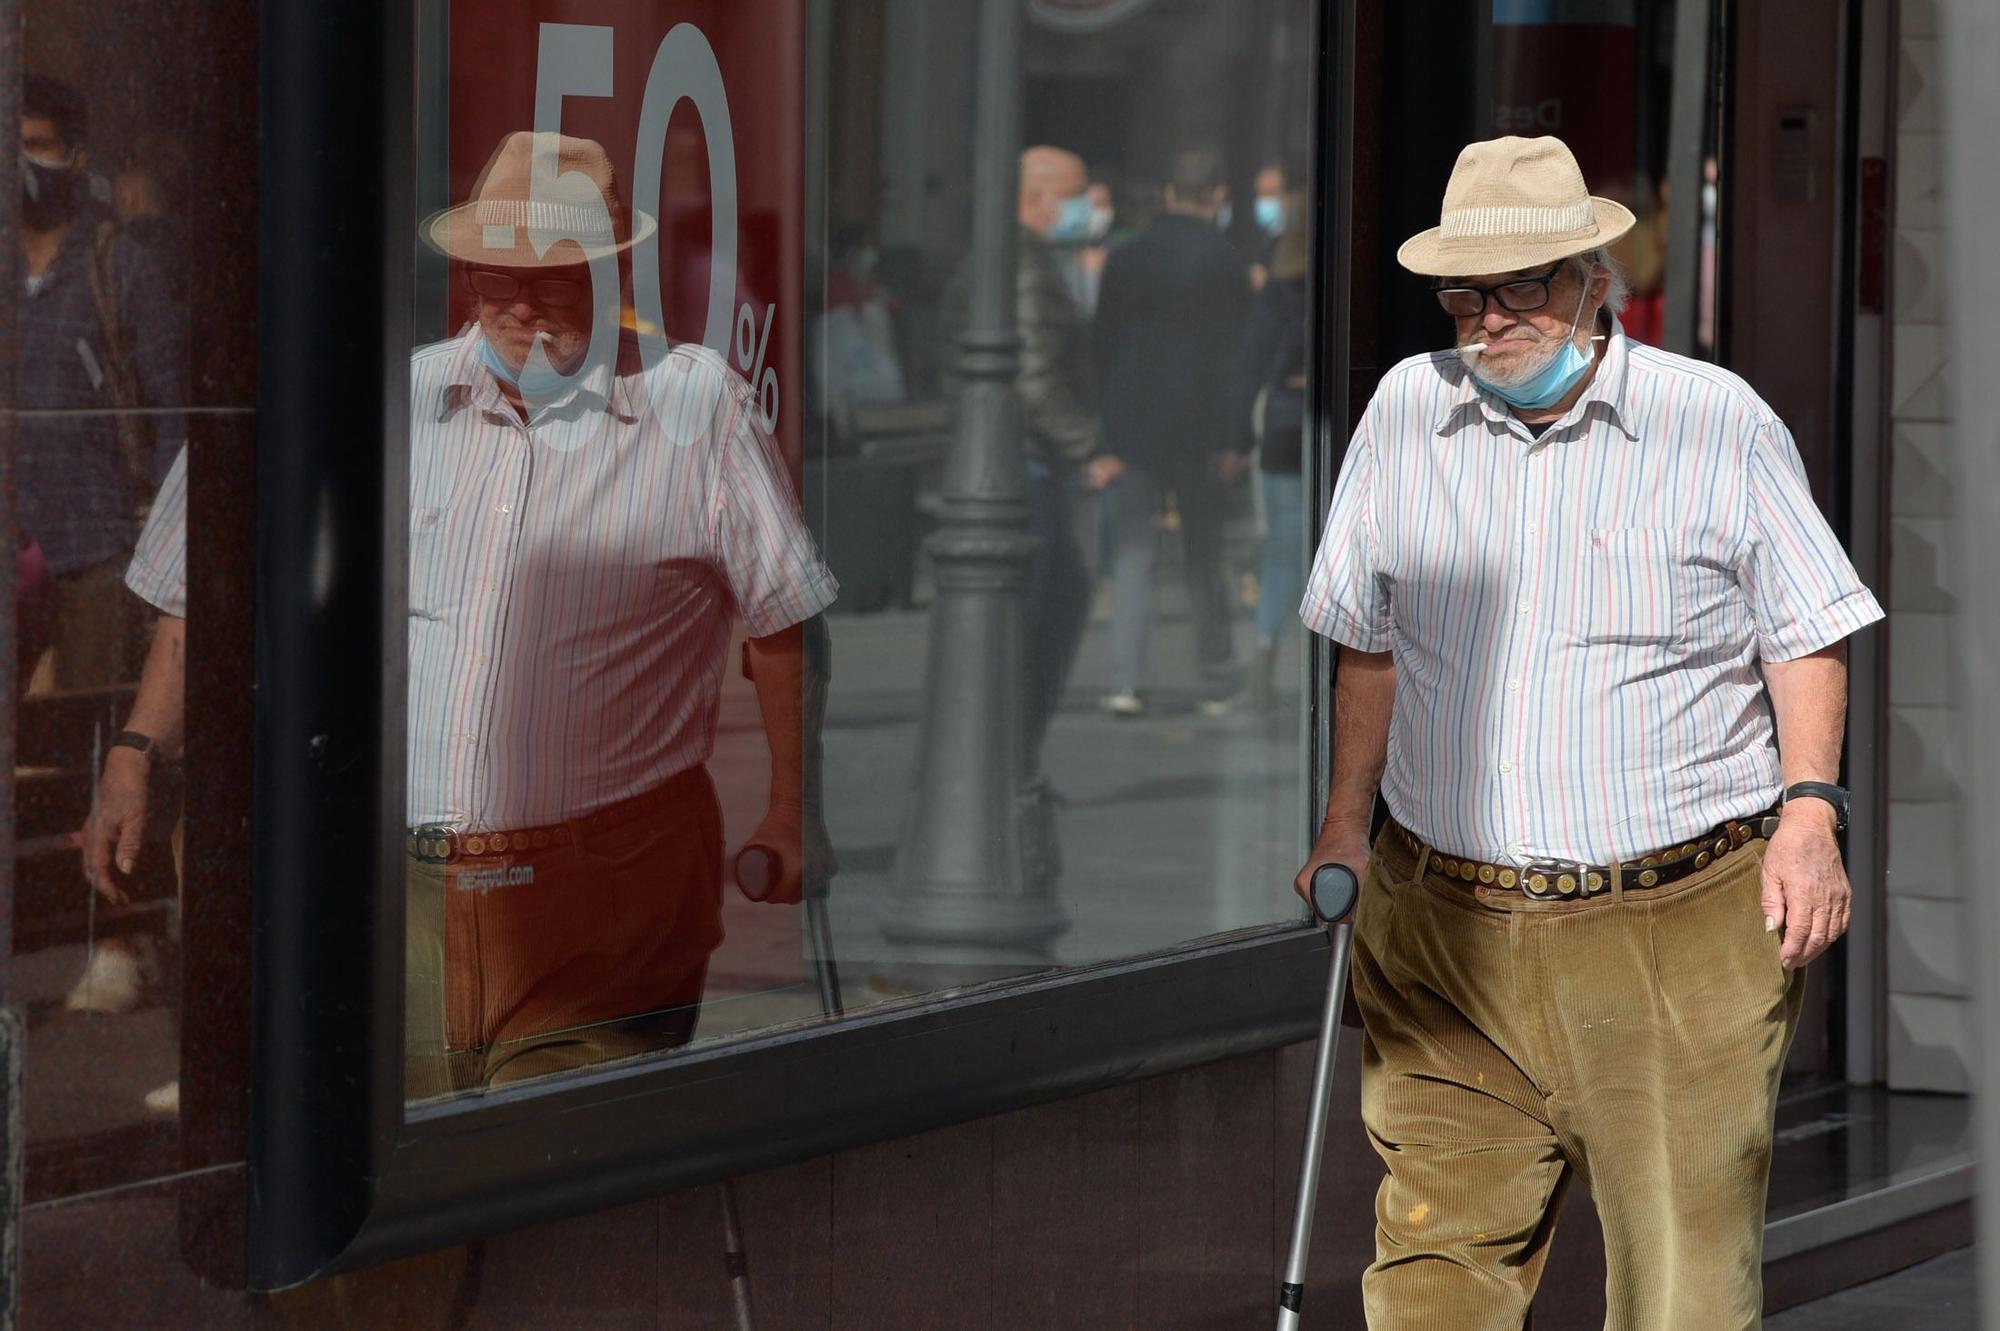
{"x":572,"y":580}
{"x":1577,"y":620}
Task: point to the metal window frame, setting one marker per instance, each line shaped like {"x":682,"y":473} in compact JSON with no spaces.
{"x":341,"y":1175}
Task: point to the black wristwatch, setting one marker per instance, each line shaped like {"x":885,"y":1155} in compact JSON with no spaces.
{"x":1821,"y":790}
{"x":132,"y":739}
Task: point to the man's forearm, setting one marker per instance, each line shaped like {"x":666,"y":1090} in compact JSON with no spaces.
{"x":1364,"y":695}
{"x":1809,"y":701}
{"x":160,"y":705}
{"x":789,"y":670}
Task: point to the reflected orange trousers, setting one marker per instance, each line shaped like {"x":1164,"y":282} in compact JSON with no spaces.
{"x":525,"y":964}
{"x":1633,"y":1039}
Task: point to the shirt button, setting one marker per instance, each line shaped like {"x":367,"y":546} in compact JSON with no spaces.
{"x":1513,"y":686}
{"x":506,"y":508}
{"x":1506,"y":766}
{"x":1532,"y":529}
{"x":1524,"y":607}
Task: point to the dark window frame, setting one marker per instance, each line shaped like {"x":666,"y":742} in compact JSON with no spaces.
{"x":341,"y":1174}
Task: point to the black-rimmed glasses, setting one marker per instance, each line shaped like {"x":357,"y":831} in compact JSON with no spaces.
{"x":1519,"y":296}
{"x":498,"y":284}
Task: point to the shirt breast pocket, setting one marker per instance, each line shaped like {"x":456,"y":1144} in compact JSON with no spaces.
{"x":1634,"y":576}
{"x":426,"y":577}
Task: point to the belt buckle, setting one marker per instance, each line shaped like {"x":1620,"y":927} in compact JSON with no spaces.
{"x":1551,"y":875}
{"x":437,"y":843}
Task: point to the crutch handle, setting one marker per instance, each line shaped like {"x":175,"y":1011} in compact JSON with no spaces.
{"x":757,"y":871}
{"x":1334,"y":889}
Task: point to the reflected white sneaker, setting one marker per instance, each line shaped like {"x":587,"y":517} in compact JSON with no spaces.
{"x":164,"y":1099}
{"x":1126,"y":703}
{"x":112,"y":982}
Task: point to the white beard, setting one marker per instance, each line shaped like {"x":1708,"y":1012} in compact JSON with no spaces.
{"x":1525,"y":366}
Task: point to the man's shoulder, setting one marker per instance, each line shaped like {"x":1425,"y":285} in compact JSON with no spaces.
{"x":1428,"y":382}
{"x":1686,"y":381}
{"x":432,"y":359}
{"x":686,"y":382}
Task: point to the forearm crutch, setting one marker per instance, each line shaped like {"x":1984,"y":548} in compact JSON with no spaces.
{"x":756,"y":871}
{"x":1334,"y":889}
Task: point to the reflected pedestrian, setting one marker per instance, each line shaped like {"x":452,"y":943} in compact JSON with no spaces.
{"x":1169,"y":321}
{"x":1270,"y":409}
{"x":1064,"y":450}
{"x":99,"y":342}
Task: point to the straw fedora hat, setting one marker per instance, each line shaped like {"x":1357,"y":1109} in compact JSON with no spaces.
{"x":1513,"y":203}
{"x":500,"y":223}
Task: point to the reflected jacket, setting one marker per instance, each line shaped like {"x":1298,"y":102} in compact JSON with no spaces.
{"x":1058,"y":422}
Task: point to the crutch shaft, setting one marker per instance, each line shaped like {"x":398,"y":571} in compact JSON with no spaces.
{"x":1292,"y":1293}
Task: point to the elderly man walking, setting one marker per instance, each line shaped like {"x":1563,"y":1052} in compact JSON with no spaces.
{"x":1591,"y":629}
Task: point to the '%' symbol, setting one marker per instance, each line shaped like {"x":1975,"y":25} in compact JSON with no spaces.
{"x":751,"y":344}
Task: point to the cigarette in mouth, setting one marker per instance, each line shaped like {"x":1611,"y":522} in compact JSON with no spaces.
{"x":1481,"y":346}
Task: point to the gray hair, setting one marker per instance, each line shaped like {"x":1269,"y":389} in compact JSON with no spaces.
{"x":1585,"y":267}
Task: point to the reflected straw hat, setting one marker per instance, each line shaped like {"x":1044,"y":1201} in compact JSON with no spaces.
{"x":1511,"y":204}
{"x":502,"y":224}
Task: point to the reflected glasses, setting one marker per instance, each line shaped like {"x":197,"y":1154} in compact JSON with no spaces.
{"x":1519,"y":297}
{"x":494,"y":284}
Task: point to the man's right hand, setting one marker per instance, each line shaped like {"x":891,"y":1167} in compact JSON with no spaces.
{"x":111,"y":834}
{"x":1333,"y":847}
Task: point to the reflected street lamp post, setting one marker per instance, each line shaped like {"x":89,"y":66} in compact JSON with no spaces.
{"x":962,"y":887}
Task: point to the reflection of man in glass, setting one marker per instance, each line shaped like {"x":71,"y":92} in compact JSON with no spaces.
{"x":580,"y":530}
{"x":1060,"y":437}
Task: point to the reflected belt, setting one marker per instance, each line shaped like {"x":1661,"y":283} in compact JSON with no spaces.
{"x":442,"y":843}
{"x":1564,"y":880}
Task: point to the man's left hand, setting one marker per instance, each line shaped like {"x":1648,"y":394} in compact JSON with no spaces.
{"x":1806,"y":892}
{"x":801,"y":847}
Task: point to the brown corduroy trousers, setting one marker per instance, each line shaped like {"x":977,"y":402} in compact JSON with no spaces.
{"x":1634,"y":1039}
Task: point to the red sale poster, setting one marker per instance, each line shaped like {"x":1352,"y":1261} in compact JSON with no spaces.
{"x":700,"y":104}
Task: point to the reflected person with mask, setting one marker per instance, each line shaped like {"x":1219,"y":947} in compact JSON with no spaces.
{"x":97,"y":334}
{"x":1063,"y":446}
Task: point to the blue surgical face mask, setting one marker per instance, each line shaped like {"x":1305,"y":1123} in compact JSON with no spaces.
{"x":1224,"y":215}
{"x":1556,"y":378}
{"x":1271,"y":215}
{"x":534,"y":386}
{"x":1072,"y":224}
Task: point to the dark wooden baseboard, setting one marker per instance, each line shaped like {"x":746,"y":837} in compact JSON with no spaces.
{"x":1864,"y":1257}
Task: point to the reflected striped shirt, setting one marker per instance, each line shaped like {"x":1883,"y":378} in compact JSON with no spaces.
{"x":1577,"y":620}
{"x":572,"y":580}
{"x":158,"y":571}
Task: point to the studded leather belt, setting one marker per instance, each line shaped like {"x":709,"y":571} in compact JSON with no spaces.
{"x":441,"y":843}
{"x":1566,"y":880}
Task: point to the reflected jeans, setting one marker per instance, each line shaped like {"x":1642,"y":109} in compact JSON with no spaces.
{"x":1633,"y":1040}
{"x":1281,"y":584}
{"x":1055,"y":607}
{"x":1135,"y":499}
{"x":548,"y":960}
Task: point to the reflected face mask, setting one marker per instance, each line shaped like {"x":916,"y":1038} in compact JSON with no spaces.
{"x":48,"y":191}
{"x":534,"y":386}
{"x":1072,"y":224}
{"x":1271,"y":215}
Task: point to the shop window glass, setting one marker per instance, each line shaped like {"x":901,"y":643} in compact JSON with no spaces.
{"x":766,"y":666}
